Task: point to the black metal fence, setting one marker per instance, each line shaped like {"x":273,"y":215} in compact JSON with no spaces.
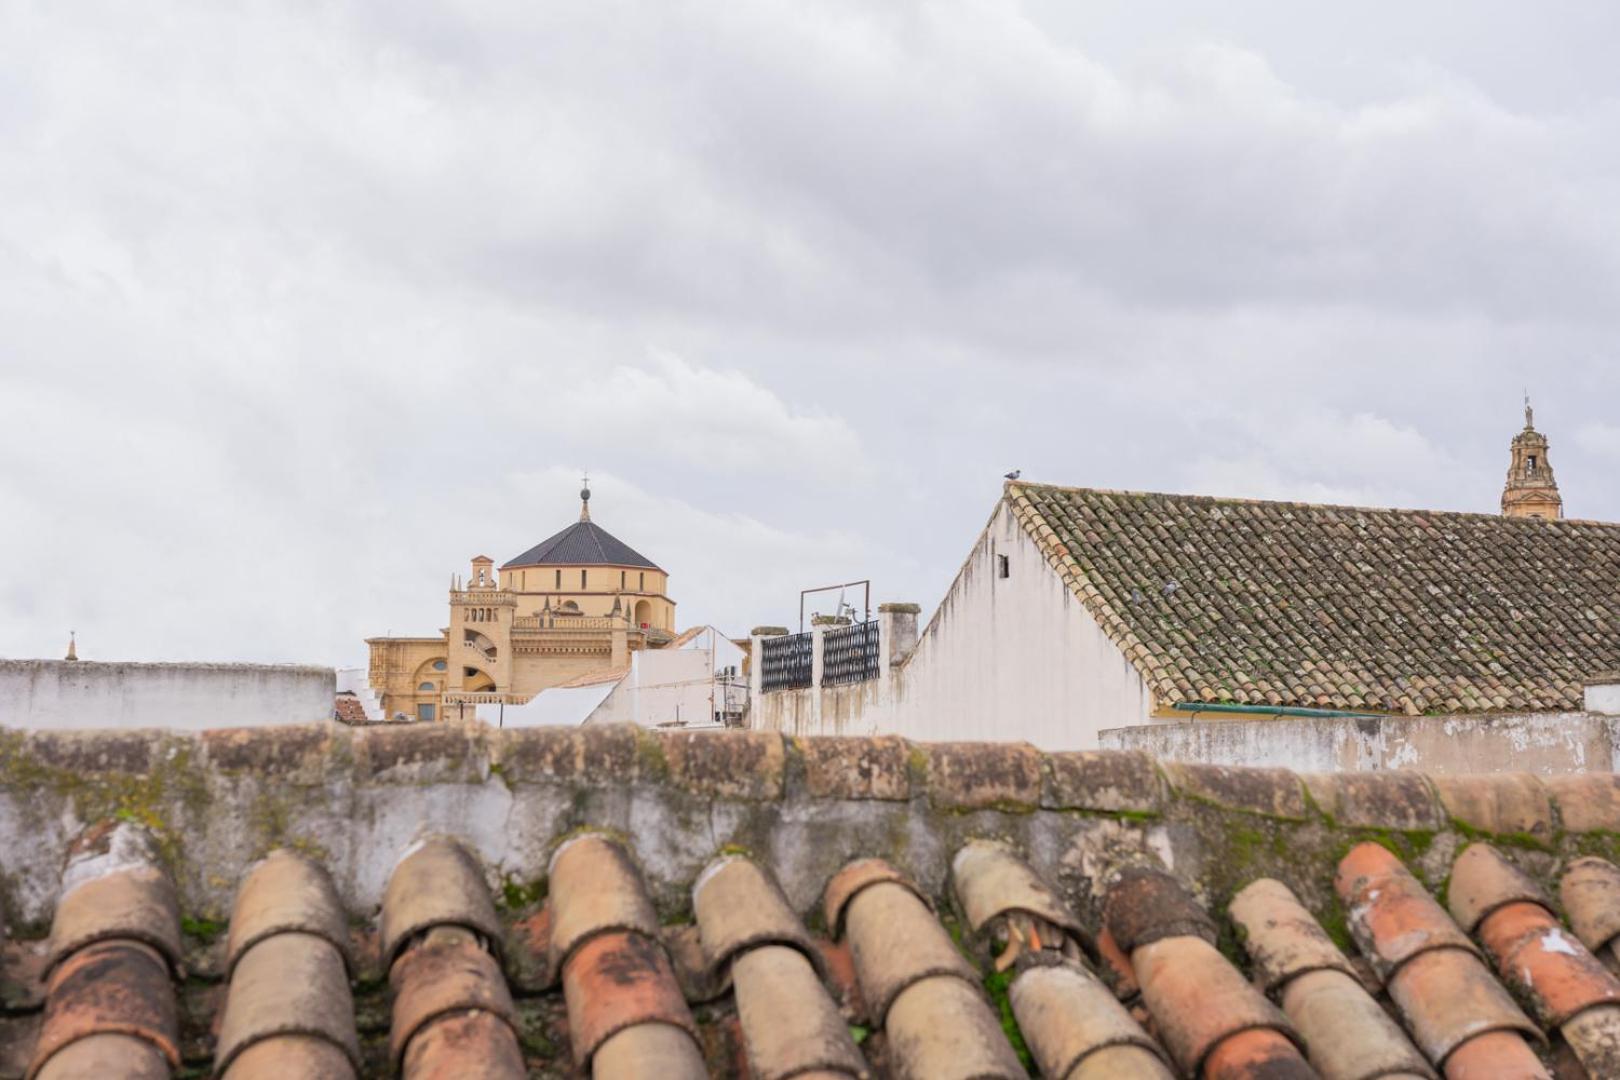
{"x":849,"y":654}
{"x":786,"y":662}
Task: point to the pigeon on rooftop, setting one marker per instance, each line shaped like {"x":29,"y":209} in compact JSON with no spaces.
{"x":1015,"y":474}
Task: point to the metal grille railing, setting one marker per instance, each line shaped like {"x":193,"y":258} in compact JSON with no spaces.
{"x":785,"y":662}
{"x":850,"y":654}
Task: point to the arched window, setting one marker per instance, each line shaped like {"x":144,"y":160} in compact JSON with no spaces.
{"x":426,"y":688}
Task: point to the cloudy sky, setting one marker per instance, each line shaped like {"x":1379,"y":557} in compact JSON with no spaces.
{"x":304,"y":304}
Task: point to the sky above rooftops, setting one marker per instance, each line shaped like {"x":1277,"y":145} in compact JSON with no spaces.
{"x":301,"y":305}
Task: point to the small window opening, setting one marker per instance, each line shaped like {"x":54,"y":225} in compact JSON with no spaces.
{"x":643,"y":586}
{"x":559,"y":579}
{"x":582,"y":579}
{"x":438,"y":665}
{"x":1531,"y":466}
{"x":426,"y":688}
{"x":1002,"y":567}
{"x":622,"y":575}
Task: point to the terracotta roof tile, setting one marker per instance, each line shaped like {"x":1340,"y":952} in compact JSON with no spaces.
{"x":917,"y":986}
{"x":1205,"y":1012}
{"x":283,"y":894}
{"x":1249,"y":602}
{"x":643,"y":924}
{"x":1590,"y":890}
{"x":1346,"y":1032}
{"x":595,"y":888}
{"x":1071,"y":1020}
{"x":623,"y":997}
{"x":452,"y":1014}
{"x":437,"y":884}
{"x":1003,"y":896}
{"x":739,"y":907}
{"x":1534,"y":954}
{"x":1433,"y":972}
{"x":109,"y":1001}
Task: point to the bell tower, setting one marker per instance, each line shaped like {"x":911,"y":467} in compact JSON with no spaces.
{"x":1530,"y":490}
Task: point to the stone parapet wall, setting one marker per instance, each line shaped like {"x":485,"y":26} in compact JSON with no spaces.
{"x":1542,"y":743}
{"x":357,"y":798}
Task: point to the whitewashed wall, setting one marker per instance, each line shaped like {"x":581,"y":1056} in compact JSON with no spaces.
{"x":57,"y":695}
{"x":1014,"y":658}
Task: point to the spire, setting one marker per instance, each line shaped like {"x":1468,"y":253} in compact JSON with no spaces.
{"x":73,"y":646}
{"x":585,"y":499}
{"x":1531,"y":491}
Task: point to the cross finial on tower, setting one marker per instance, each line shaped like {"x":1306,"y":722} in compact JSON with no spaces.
{"x":585,"y":499}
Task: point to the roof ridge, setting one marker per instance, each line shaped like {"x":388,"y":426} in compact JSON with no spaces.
{"x":1244,"y":500}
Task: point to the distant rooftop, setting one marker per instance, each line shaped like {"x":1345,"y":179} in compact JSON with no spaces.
{"x":1295,"y":604}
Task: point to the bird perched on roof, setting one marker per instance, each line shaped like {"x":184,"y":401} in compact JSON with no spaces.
{"x":1015,"y":474}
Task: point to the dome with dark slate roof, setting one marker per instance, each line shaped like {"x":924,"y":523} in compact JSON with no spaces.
{"x":583,"y":543}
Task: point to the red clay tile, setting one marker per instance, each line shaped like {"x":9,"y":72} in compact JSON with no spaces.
{"x":896,"y":941}
{"x":111,"y":987}
{"x":288,"y":984}
{"x":1282,"y":938}
{"x":1449,"y":999}
{"x":136,"y":903}
{"x":1594,"y":1037}
{"x":790,"y":1026}
{"x":941,"y":1028}
{"x":1482,"y":881}
{"x":1067,"y":1016}
{"x":470,"y":1044}
{"x":616,"y":980}
{"x":1198,"y":999}
{"x":436,"y":884}
{"x":446,"y":972}
{"x":1545,"y":963}
{"x":595,"y":888}
{"x":286,"y":892}
{"x":852,"y":879}
{"x":127,"y":1057}
{"x":1495,"y":1055}
{"x":1348,"y":1035}
{"x":1145,"y":904}
{"x":1390,"y":914}
{"x":1257,"y":1054}
{"x":738,"y":907}
{"x":288,"y":1057}
{"x":1590,"y":890}
{"x":991,"y":882}
{"x":649,"y":1050}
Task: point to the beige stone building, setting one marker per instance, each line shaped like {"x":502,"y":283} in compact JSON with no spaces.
{"x":579,"y":602}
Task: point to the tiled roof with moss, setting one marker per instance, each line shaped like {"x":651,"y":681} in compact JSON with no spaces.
{"x":1293,"y":604}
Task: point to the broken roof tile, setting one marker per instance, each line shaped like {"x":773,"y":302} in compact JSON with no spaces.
{"x":992,"y":882}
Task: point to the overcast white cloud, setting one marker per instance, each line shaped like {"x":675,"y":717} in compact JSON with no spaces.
{"x":303,"y":304}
